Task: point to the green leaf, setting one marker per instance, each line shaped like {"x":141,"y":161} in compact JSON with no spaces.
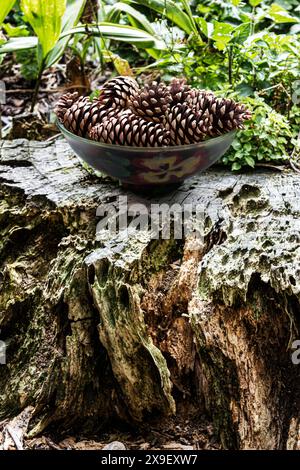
{"x":280,"y":15}
{"x":169,"y":9}
{"x":45,"y":18}
{"x":254,"y":3}
{"x":244,"y":89}
{"x":132,"y":13}
{"x":222,"y":34}
{"x":6,"y":6}
{"x":241,"y":33}
{"x":15,"y":31}
{"x":121,"y":65}
{"x":188,"y":10}
{"x":205,"y":27}
{"x":236,"y":144}
{"x":69,"y":20}
{"x":236,"y":166}
{"x":235,"y":2}
{"x":18,"y":44}
{"x":250,"y":161}
{"x":123,"y":33}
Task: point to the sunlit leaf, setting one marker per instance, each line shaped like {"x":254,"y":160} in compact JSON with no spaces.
{"x":45,"y":18}
{"x":250,"y":161}
{"x":69,"y":20}
{"x":222,"y":34}
{"x":280,"y":15}
{"x":5,"y":7}
{"x":254,"y":3}
{"x":15,"y":31}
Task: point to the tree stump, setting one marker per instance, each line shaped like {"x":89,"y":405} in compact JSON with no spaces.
{"x":129,"y":327}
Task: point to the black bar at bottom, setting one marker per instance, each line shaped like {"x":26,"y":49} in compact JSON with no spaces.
{"x":135,"y":459}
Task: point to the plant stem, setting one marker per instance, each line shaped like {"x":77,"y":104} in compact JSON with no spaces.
{"x":252,"y":26}
{"x":230,"y":64}
{"x":37,"y":86}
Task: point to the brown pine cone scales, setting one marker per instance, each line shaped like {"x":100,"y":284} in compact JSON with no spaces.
{"x":223,"y":114}
{"x":152,"y":102}
{"x":64,"y":103}
{"x":156,"y":115}
{"x":117,"y":91}
{"x":179,"y":90}
{"x":129,"y":129}
{"x":84,"y":114}
{"x":186,"y":126}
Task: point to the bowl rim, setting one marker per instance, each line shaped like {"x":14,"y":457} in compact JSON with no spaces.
{"x":128,"y":148}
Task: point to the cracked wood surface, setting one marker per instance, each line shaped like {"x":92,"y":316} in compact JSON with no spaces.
{"x":128,"y":327}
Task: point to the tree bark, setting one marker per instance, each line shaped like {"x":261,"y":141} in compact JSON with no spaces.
{"x":130,"y":328}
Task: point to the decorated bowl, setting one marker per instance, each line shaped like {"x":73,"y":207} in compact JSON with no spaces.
{"x":149,"y":166}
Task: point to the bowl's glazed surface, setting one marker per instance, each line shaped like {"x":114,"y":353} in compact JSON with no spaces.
{"x":151,"y":165}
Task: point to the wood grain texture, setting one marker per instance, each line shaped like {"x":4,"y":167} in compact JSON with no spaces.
{"x":129,"y":327}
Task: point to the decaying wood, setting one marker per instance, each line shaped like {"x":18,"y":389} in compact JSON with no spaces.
{"x":128,"y":327}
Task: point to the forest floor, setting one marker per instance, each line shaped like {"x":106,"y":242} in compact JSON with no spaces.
{"x":17,"y":118}
{"x":172,"y":434}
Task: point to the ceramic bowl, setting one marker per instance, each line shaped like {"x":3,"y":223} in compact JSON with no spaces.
{"x":150,"y":166}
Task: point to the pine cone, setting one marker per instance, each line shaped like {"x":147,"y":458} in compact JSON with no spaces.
{"x":155,"y":116}
{"x":64,"y":103}
{"x":199,"y":99}
{"x":129,"y":129}
{"x":117,"y":91}
{"x":179,"y":91}
{"x":224,"y":115}
{"x":84,"y":114}
{"x":152,"y":102}
{"x":227,"y":115}
{"x":186,"y":126}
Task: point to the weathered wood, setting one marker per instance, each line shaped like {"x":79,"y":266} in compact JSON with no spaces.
{"x":129,"y":327}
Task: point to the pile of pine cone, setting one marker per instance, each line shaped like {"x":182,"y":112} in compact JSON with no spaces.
{"x":154,"y":116}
